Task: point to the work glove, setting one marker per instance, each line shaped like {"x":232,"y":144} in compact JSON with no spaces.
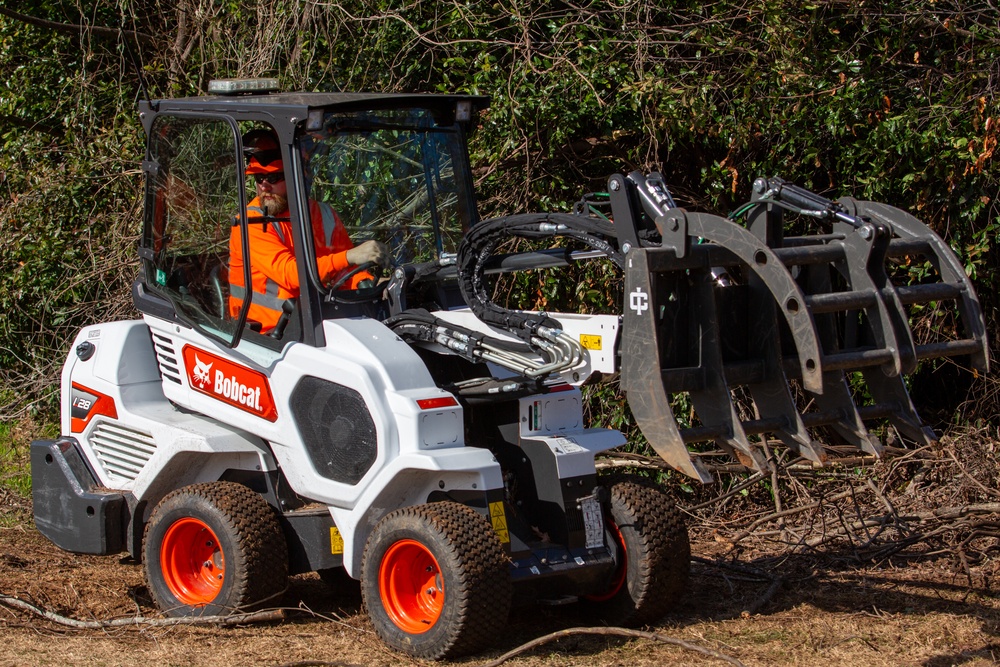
{"x":369,"y":251}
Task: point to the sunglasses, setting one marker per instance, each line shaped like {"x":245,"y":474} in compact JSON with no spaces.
{"x":270,"y":178}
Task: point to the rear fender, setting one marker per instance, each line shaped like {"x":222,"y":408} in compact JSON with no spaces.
{"x":105,"y":357}
{"x":192,"y":467}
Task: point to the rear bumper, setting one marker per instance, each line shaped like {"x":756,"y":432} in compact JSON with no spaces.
{"x":68,"y":509}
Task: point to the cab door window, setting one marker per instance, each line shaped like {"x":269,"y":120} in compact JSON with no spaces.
{"x":194,"y":197}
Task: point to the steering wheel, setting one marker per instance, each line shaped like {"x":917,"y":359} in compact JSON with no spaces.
{"x":351,"y":273}
{"x":362,"y":293}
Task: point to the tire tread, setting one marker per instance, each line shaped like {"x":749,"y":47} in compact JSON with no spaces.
{"x":473,"y":552}
{"x":664,"y":553}
{"x":262,"y":562}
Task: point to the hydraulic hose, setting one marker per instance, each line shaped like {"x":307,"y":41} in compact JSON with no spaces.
{"x":478,"y":248}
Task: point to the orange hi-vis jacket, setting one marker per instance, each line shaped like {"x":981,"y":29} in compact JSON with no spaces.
{"x":273,"y":269}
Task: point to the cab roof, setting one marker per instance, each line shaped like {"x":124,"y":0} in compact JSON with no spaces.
{"x":296,"y":105}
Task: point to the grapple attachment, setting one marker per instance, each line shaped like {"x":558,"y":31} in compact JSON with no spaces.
{"x":774,"y":334}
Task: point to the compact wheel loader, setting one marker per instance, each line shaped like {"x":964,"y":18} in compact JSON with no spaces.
{"x":415,"y":434}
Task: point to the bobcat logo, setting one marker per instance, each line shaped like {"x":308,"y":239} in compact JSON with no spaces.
{"x":201,"y":371}
{"x":220,"y":379}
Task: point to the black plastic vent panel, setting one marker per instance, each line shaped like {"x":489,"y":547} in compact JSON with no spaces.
{"x":336,"y":427}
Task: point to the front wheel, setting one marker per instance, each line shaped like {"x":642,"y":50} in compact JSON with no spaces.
{"x":213,"y":549}
{"x":653,"y":556}
{"x":436,"y":581}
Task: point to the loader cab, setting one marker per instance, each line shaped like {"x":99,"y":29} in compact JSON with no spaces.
{"x":393,"y":168}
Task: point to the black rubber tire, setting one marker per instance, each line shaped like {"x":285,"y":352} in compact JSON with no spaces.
{"x":657,"y":556}
{"x":473,"y":577}
{"x":250,"y":544}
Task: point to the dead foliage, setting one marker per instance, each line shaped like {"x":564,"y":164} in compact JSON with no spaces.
{"x":937,"y":504}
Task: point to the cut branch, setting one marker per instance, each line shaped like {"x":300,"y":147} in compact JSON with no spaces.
{"x":613,"y":632}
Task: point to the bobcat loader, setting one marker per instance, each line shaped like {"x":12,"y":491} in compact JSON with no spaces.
{"x":416,"y":435}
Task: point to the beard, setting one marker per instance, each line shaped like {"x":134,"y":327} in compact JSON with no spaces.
{"x":272,"y":203}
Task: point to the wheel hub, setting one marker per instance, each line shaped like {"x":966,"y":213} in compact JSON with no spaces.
{"x":192,"y":562}
{"x":411,"y":586}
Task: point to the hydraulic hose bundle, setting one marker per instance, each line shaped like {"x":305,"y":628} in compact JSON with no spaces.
{"x":542,"y":335}
{"x":558,"y":354}
{"x":478,"y":249}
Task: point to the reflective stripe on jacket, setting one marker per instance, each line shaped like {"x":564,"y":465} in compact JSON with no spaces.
{"x":273,"y":270}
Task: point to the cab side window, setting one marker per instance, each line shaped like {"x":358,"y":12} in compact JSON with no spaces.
{"x":193,"y":200}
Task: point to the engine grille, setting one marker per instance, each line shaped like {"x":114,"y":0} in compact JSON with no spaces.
{"x":336,"y":428}
{"x":166,"y":357}
{"x":121,"y":451}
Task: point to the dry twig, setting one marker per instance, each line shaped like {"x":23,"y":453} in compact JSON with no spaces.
{"x":265,"y":615}
{"x":612,"y":632}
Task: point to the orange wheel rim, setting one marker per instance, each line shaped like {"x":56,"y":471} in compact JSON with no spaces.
{"x":411,"y":586}
{"x":621,"y":571}
{"x":191,"y":562}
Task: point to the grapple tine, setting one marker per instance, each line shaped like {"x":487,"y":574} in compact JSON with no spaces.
{"x":641,"y":375}
{"x":771,"y":394}
{"x":713,"y":402}
{"x":891,"y":391}
{"x":838,"y":410}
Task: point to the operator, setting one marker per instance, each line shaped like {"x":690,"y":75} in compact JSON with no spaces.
{"x":273,"y":269}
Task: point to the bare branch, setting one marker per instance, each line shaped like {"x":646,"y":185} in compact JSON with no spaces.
{"x":76,"y":29}
{"x":266,"y":615}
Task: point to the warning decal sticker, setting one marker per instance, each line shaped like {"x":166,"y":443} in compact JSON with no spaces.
{"x":499,"y":520}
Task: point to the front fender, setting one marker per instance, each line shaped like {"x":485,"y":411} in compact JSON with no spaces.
{"x":470,"y":474}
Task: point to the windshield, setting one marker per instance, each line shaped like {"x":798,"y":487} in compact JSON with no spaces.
{"x":391,"y":176}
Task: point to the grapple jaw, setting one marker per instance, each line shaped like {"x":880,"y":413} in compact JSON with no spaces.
{"x":790,"y":326}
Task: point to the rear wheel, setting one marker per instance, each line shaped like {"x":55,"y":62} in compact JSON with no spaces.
{"x":213,"y":549}
{"x":653,"y":556}
{"x":436,"y":581}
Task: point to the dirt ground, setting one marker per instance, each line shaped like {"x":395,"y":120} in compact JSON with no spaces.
{"x":921,"y":613}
